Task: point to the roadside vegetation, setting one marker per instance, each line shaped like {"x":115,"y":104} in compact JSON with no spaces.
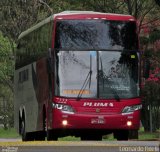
{"x":9,"y":133}
{"x":143,"y":135}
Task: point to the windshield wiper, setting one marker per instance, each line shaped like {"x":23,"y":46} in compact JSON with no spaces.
{"x":104,"y":77}
{"x":87,"y":80}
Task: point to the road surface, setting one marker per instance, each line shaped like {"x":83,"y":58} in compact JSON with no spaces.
{"x":15,"y":145}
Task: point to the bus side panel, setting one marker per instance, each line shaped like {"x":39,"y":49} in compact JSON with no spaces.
{"x":25,"y":101}
{"x":41,"y":89}
{"x":31,"y":93}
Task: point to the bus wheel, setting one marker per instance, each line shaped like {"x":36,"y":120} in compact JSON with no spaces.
{"x":25,"y":136}
{"x":133,"y":134}
{"x":40,"y":136}
{"x":121,"y":134}
{"x":51,"y":135}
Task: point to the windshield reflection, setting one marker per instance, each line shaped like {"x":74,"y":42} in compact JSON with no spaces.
{"x":97,"y":74}
{"x":73,"y":68}
{"x":96,"y":34}
{"x":120,"y":74}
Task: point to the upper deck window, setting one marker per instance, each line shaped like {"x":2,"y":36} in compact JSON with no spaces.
{"x":96,"y":34}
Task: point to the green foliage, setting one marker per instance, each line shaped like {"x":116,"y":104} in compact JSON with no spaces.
{"x":10,"y":133}
{"x":6,"y":81}
{"x":144,"y":40}
{"x":17,"y":16}
{"x":151,"y":90}
{"x":148,"y":53}
{"x":6,"y":62}
{"x":151,"y":93}
{"x":69,"y":138}
{"x":154,"y":36}
{"x":148,"y":135}
{"x":142,"y":135}
{"x":64,"y":5}
{"x":151,"y":101}
{"x":145,"y":11}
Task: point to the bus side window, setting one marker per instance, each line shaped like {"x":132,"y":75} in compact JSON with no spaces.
{"x":23,"y":76}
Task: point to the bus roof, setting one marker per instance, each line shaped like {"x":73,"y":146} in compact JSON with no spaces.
{"x":79,"y":15}
{"x":33,"y":28}
{"x":89,"y":12}
{"x":92,"y":15}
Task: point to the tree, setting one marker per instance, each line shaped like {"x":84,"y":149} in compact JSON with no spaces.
{"x":150,"y":92}
{"x":16,"y":16}
{"x":6,"y":62}
{"x":145,"y":11}
{"x":6,"y":79}
{"x":157,"y":2}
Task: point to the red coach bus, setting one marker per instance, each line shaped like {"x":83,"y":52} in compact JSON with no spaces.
{"x":78,"y":73}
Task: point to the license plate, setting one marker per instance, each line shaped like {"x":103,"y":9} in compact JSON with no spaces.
{"x":97,"y":121}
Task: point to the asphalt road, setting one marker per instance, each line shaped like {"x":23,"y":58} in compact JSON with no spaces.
{"x":80,"y":146}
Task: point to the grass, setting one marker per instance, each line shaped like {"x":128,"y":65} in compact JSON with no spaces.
{"x":11,"y":133}
{"x":148,"y":135}
{"x":142,"y":135}
{"x":69,"y":138}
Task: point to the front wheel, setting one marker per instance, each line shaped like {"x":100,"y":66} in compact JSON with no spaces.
{"x":40,"y":136}
{"x":121,"y":134}
{"x":133,"y":134}
{"x":51,"y":135}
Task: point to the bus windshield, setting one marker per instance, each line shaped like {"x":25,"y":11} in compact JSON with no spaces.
{"x":97,"y":74}
{"x":96,"y":34}
{"x":96,"y":59}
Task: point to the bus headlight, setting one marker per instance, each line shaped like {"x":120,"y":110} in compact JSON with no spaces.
{"x":64,"y":108}
{"x":131,"y":109}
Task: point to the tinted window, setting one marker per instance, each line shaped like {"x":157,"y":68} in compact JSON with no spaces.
{"x":34,"y":46}
{"x":96,"y":34}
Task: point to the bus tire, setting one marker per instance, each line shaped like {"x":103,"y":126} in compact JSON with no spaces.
{"x":121,"y":135}
{"x":40,"y":136}
{"x":51,"y":136}
{"x":25,"y":136}
{"x":133,"y":134}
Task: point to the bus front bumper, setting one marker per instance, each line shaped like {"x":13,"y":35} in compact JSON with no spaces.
{"x":95,"y":121}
